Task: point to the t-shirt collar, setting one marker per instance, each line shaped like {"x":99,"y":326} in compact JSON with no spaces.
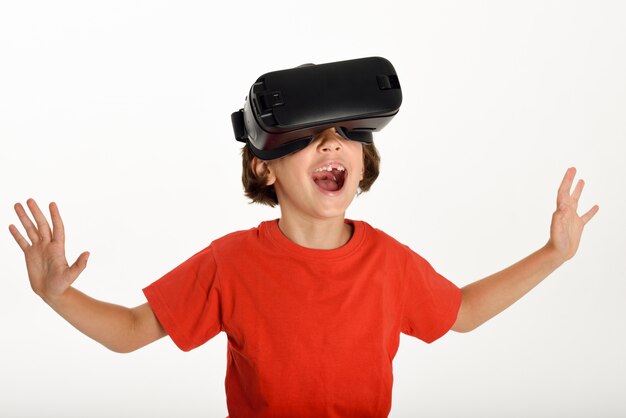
{"x":271,"y":231}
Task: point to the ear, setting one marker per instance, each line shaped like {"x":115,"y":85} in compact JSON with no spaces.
{"x":262,"y":170}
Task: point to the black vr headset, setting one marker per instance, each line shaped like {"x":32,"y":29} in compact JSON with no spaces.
{"x":286,"y":109}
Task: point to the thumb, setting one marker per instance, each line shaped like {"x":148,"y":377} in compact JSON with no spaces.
{"x":78,"y":266}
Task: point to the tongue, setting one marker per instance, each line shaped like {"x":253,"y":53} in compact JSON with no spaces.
{"x":326,"y":181}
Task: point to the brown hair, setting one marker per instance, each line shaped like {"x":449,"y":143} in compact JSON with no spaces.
{"x":259,"y":192}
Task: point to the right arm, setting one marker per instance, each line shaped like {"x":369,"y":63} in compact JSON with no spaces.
{"x":116,"y":327}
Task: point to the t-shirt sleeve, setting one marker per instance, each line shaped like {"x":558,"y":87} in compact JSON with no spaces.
{"x":431,"y":302}
{"x":187,"y":301}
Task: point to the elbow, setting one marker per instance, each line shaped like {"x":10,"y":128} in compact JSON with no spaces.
{"x":463,"y":324}
{"x":466,"y":321}
{"x":122,"y":348}
{"x":463,"y":327}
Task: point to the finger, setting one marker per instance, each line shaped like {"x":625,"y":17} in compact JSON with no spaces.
{"x":42,"y":223}
{"x":58,"y":230}
{"x":566,"y":185}
{"x":590,"y":214}
{"x":28,"y":225}
{"x":21,"y":241}
{"x":78,"y":266}
{"x":578,"y":190}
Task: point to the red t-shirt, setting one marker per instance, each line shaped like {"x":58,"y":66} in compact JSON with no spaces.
{"x":311,"y":333}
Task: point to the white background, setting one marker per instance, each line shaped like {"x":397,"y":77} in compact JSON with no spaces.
{"x":120,"y":112}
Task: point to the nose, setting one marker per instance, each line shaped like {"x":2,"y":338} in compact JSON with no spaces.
{"x":329,"y":141}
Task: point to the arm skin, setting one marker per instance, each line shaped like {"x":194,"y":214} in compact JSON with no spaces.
{"x":484,"y":299}
{"x":116,"y":327}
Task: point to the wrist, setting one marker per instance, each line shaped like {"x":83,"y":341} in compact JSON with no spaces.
{"x":54,"y":299}
{"x":553,"y":256}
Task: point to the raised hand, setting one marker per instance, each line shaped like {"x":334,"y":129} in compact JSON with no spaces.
{"x":567,"y":227}
{"x":48,"y":270}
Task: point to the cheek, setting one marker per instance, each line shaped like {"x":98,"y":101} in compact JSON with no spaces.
{"x":361,"y":166}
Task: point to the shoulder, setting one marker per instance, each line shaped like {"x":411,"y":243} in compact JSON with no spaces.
{"x":378,"y":237}
{"x":241,"y":240}
{"x":376,"y":240}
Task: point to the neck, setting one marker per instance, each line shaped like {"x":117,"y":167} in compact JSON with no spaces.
{"x":326,"y":234}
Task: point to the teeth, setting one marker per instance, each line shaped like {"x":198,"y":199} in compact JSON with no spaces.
{"x":330,"y":168}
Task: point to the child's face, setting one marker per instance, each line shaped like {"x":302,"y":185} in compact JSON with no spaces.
{"x":320,"y":180}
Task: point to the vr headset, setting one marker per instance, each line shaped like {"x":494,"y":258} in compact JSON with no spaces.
{"x":286,"y":109}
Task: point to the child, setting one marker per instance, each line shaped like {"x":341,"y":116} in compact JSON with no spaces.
{"x":312,"y":303}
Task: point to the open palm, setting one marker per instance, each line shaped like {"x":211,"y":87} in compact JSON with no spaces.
{"x":48,"y":270}
{"x":567,"y":227}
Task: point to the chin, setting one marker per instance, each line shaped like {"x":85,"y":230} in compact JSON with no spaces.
{"x":334,"y":206}
{"x":329,"y":213}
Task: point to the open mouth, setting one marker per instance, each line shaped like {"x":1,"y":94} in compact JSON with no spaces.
{"x":330,"y":177}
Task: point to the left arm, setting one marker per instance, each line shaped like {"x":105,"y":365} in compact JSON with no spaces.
{"x":484,"y":299}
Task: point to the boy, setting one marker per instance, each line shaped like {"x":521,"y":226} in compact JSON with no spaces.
{"x":312,"y":303}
